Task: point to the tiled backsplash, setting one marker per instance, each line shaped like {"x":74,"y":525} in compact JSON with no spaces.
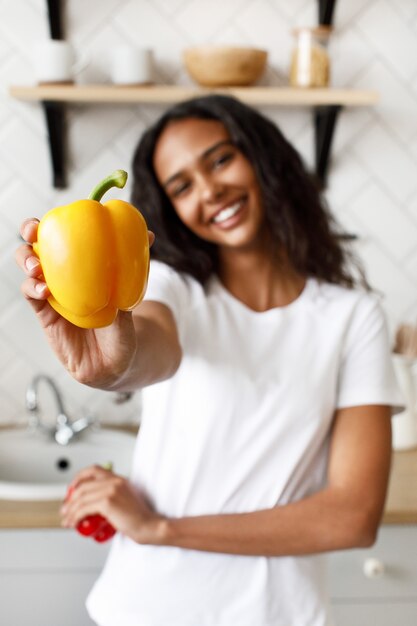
{"x":372,"y":182}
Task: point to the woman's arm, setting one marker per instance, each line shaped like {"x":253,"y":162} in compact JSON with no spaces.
{"x":345,"y":514}
{"x":158,"y":352}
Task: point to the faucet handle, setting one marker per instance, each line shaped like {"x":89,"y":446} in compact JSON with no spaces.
{"x":83,"y":422}
{"x":68,"y":430}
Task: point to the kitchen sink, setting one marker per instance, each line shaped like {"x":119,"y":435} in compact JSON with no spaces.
{"x":34,"y":467}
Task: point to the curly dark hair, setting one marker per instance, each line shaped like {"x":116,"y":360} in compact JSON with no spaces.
{"x":296,"y":214}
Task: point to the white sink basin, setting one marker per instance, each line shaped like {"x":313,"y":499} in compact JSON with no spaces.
{"x":34,"y":467}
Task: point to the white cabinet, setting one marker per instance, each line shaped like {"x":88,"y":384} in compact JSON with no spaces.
{"x":377,"y":585}
{"x":45,"y":576}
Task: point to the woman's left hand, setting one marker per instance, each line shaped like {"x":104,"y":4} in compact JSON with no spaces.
{"x":96,"y":490}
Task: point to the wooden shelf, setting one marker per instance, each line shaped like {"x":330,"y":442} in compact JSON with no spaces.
{"x":169,"y":94}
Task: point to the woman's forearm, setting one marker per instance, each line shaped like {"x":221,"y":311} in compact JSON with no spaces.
{"x":323,"y":522}
{"x":156,"y":358}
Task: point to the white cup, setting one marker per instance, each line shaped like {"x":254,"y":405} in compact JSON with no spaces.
{"x":54,"y":61}
{"x":404,"y":424}
{"x":130,"y":65}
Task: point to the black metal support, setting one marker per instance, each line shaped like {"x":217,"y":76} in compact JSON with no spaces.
{"x":55,"y":19}
{"x":325,"y":118}
{"x":55,"y":112}
{"x":55,"y":121}
{"x":326,"y":8}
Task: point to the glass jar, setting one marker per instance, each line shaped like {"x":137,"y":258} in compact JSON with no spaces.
{"x":310,"y":62}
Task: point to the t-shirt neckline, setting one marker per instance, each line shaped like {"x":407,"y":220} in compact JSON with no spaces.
{"x":294,"y":304}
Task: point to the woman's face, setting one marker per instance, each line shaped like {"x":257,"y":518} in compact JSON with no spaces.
{"x":210,"y":183}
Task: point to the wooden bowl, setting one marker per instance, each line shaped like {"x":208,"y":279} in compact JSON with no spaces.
{"x":224,"y":66}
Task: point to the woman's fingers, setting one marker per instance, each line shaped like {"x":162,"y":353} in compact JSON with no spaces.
{"x":29,"y":229}
{"x":27,"y":261}
{"x":86,"y":500}
{"x":35,"y":289}
{"x":25,"y":257}
{"x":92,"y":472}
{"x":90,"y":492}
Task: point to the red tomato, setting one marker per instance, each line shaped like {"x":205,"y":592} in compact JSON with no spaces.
{"x":104,"y":533}
{"x":69,"y":493}
{"x":90,"y":525}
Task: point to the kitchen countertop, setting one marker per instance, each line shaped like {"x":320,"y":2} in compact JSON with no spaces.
{"x":401,"y":504}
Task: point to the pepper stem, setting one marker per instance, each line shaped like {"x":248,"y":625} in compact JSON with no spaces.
{"x":116,"y":179}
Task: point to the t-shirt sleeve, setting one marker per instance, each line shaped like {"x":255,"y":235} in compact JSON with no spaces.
{"x":367,"y":374}
{"x":167,"y":286}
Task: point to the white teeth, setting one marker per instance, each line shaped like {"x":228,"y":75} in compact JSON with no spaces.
{"x":227,"y":213}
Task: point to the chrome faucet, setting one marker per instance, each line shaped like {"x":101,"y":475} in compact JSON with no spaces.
{"x":64,"y":429}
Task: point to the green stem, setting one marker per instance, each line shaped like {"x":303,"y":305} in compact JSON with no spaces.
{"x":116,"y":179}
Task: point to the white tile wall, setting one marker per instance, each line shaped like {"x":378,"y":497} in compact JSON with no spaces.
{"x":372,"y":185}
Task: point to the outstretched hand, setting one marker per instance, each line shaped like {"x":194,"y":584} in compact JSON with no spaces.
{"x":96,"y":357}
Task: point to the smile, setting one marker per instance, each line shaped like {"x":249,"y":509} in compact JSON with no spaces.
{"x":227,"y":213}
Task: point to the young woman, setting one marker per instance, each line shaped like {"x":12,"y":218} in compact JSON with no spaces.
{"x":267,"y":386}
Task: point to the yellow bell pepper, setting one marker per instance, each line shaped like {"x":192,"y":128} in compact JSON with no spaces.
{"x":95,"y":257}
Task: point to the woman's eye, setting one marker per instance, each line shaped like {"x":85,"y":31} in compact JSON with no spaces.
{"x":222,"y":159}
{"x":179,"y":189}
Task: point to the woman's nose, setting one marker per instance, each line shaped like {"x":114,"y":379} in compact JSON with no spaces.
{"x":210,"y":189}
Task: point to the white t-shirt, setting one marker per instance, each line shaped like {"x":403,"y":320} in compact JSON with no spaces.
{"x":243,"y":425}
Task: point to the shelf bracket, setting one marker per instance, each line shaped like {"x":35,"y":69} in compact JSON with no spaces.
{"x":325,"y":118}
{"x":55,"y":122}
{"x":55,"y":19}
{"x":326,"y":8}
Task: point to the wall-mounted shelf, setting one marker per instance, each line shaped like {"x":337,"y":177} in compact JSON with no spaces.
{"x":169,"y":94}
{"x":326,"y":105}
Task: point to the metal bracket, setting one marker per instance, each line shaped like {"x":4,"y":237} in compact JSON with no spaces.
{"x":54,"y":112}
{"x":55,"y":19}
{"x":325,"y":118}
{"x":326,"y":8}
{"x":55,"y":121}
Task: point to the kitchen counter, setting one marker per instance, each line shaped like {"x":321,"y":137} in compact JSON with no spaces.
{"x":401,"y":505}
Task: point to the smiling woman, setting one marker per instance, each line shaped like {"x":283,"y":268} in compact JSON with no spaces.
{"x":252,"y":147}
{"x":267,"y":386}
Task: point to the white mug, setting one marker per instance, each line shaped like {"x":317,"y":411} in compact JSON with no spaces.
{"x":404,"y":424}
{"x":130,"y":65}
{"x":54,"y":61}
